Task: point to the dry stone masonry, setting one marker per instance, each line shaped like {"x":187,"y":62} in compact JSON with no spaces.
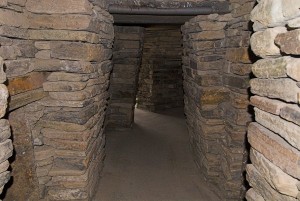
{"x":127,"y":55}
{"x":6,"y":147}
{"x":57,"y":55}
{"x":274,"y":170}
{"x":216,"y":65}
{"x":160,"y":79}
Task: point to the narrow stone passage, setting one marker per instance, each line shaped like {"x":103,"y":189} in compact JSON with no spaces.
{"x":152,"y":162}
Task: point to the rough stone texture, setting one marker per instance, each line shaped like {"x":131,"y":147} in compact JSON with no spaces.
{"x":42,"y":64}
{"x":262,"y":42}
{"x":274,"y":173}
{"x":216,"y":77}
{"x":127,"y":56}
{"x":6,"y":147}
{"x":160,"y":78}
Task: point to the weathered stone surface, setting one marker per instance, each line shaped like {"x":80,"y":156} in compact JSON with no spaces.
{"x":212,"y":95}
{"x":4,"y":178}
{"x":3,"y":99}
{"x":278,"y":179}
{"x":11,"y":18}
{"x":3,"y":3}
{"x":6,"y":150}
{"x":2,"y":73}
{"x":22,"y":99}
{"x":262,"y":42}
{"x":64,"y":35}
{"x":275,"y":149}
{"x":72,"y":77}
{"x":59,"y":6}
{"x":238,"y":55}
{"x":210,"y":26}
{"x":79,"y":51}
{"x":294,"y":23}
{"x":287,"y":130}
{"x":291,"y":113}
{"x":43,"y":152}
{"x":43,"y":54}
{"x":207,"y":35}
{"x":4,"y":166}
{"x":289,"y":42}
{"x":68,"y":194}
{"x":274,"y":88}
{"x":42,"y":45}
{"x":266,"y":14}
{"x":27,"y":83}
{"x":64,"y":86}
{"x":252,"y":195}
{"x":267,"y":105}
{"x":257,"y":181}
{"x":4,"y":130}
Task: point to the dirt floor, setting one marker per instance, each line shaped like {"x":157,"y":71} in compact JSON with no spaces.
{"x":152,"y":162}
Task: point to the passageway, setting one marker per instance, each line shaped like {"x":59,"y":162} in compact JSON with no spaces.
{"x":152,"y":162}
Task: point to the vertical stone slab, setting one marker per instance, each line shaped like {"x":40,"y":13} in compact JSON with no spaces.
{"x":127,"y":56}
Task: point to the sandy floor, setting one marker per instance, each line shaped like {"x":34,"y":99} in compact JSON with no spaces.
{"x":152,"y":162}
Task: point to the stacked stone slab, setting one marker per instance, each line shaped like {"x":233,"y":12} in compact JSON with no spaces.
{"x":127,"y":55}
{"x":6,"y":147}
{"x":237,"y":115}
{"x":274,"y":137}
{"x":57,"y":58}
{"x":160,"y":79}
{"x":215,"y":64}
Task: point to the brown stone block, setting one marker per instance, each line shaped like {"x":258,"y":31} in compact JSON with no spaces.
{"x":64,"y":86}
{"x":277,"y":179}
{"x":212,"y":95}
{"x":257,"y":181}
{"x":22,"y":99}
{"x":275,"y":149}
{"x":207,"y":35}
{"x":276,"y":88}
{"x":289,"y":42}
{"x":27,"y":83}
{"x":79,"y":51}
{"x":12,"y":18}
{"x":238,"y":55}
{"x":64,"y":35}
{"x":239,"y":100}
{"x":240,"y":82}
{"x":5,"y":131}
{"x":289,"y":131}
{"x":240,"y":69}
{"x":59,"y":6}
{"x":266,"y":104}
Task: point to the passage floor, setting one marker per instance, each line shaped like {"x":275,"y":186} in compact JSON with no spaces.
{"x":152,"y":162}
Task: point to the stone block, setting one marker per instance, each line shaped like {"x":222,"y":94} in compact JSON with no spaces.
{"x":68,"y":194}
{"x":6,"y":150}
{"x":59,"y":6}
{"x":266,"y":104}
{"x":252,"y":195}
{"x":278,"y":179}
{"x":275,"y":149}
{"x":257,"y":181}
{"x":289,"y":42}
{"x":79,"y":51}
{"x":14,"y":19}
{"x":64,"y":86}
{"x":4,"y":166}
{"x":26,"y":83}
{"x":212,"y":95}
{"x":3,"y":99}
{"x":267,"y":13}
{"x":42,"y":45}
{"x":285,"y":129}
{"x":238,"y":55}
{"x":234,"y":81}
{"x":275,"y":88}
{"x":43,"y":152}
{"x":211,"y":26}
{"x":43,"y":54}
{"x":291,"y":113}
{"x":262,"y":42}
{"x":64,"y":35}
{"x":207,"y":35}
{"x":5,"y":132}
{"x":3,"y":3}
{"x":4,"y":178}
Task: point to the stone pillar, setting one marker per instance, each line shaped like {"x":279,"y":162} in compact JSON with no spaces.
{"x":216,"y":66}
{"x":127,"y":55}
{"x":6,"y":147}
{"x":275,"y":143}
{"x":160,"y":79}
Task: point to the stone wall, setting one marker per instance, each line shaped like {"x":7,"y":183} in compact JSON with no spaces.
{"x":160,"y":79}
{"x":6,"y":147}
{"x":216,"y":66}
{"x":127,"y":55}
{"x":274,"y":137}
{"x":57,"y":63}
